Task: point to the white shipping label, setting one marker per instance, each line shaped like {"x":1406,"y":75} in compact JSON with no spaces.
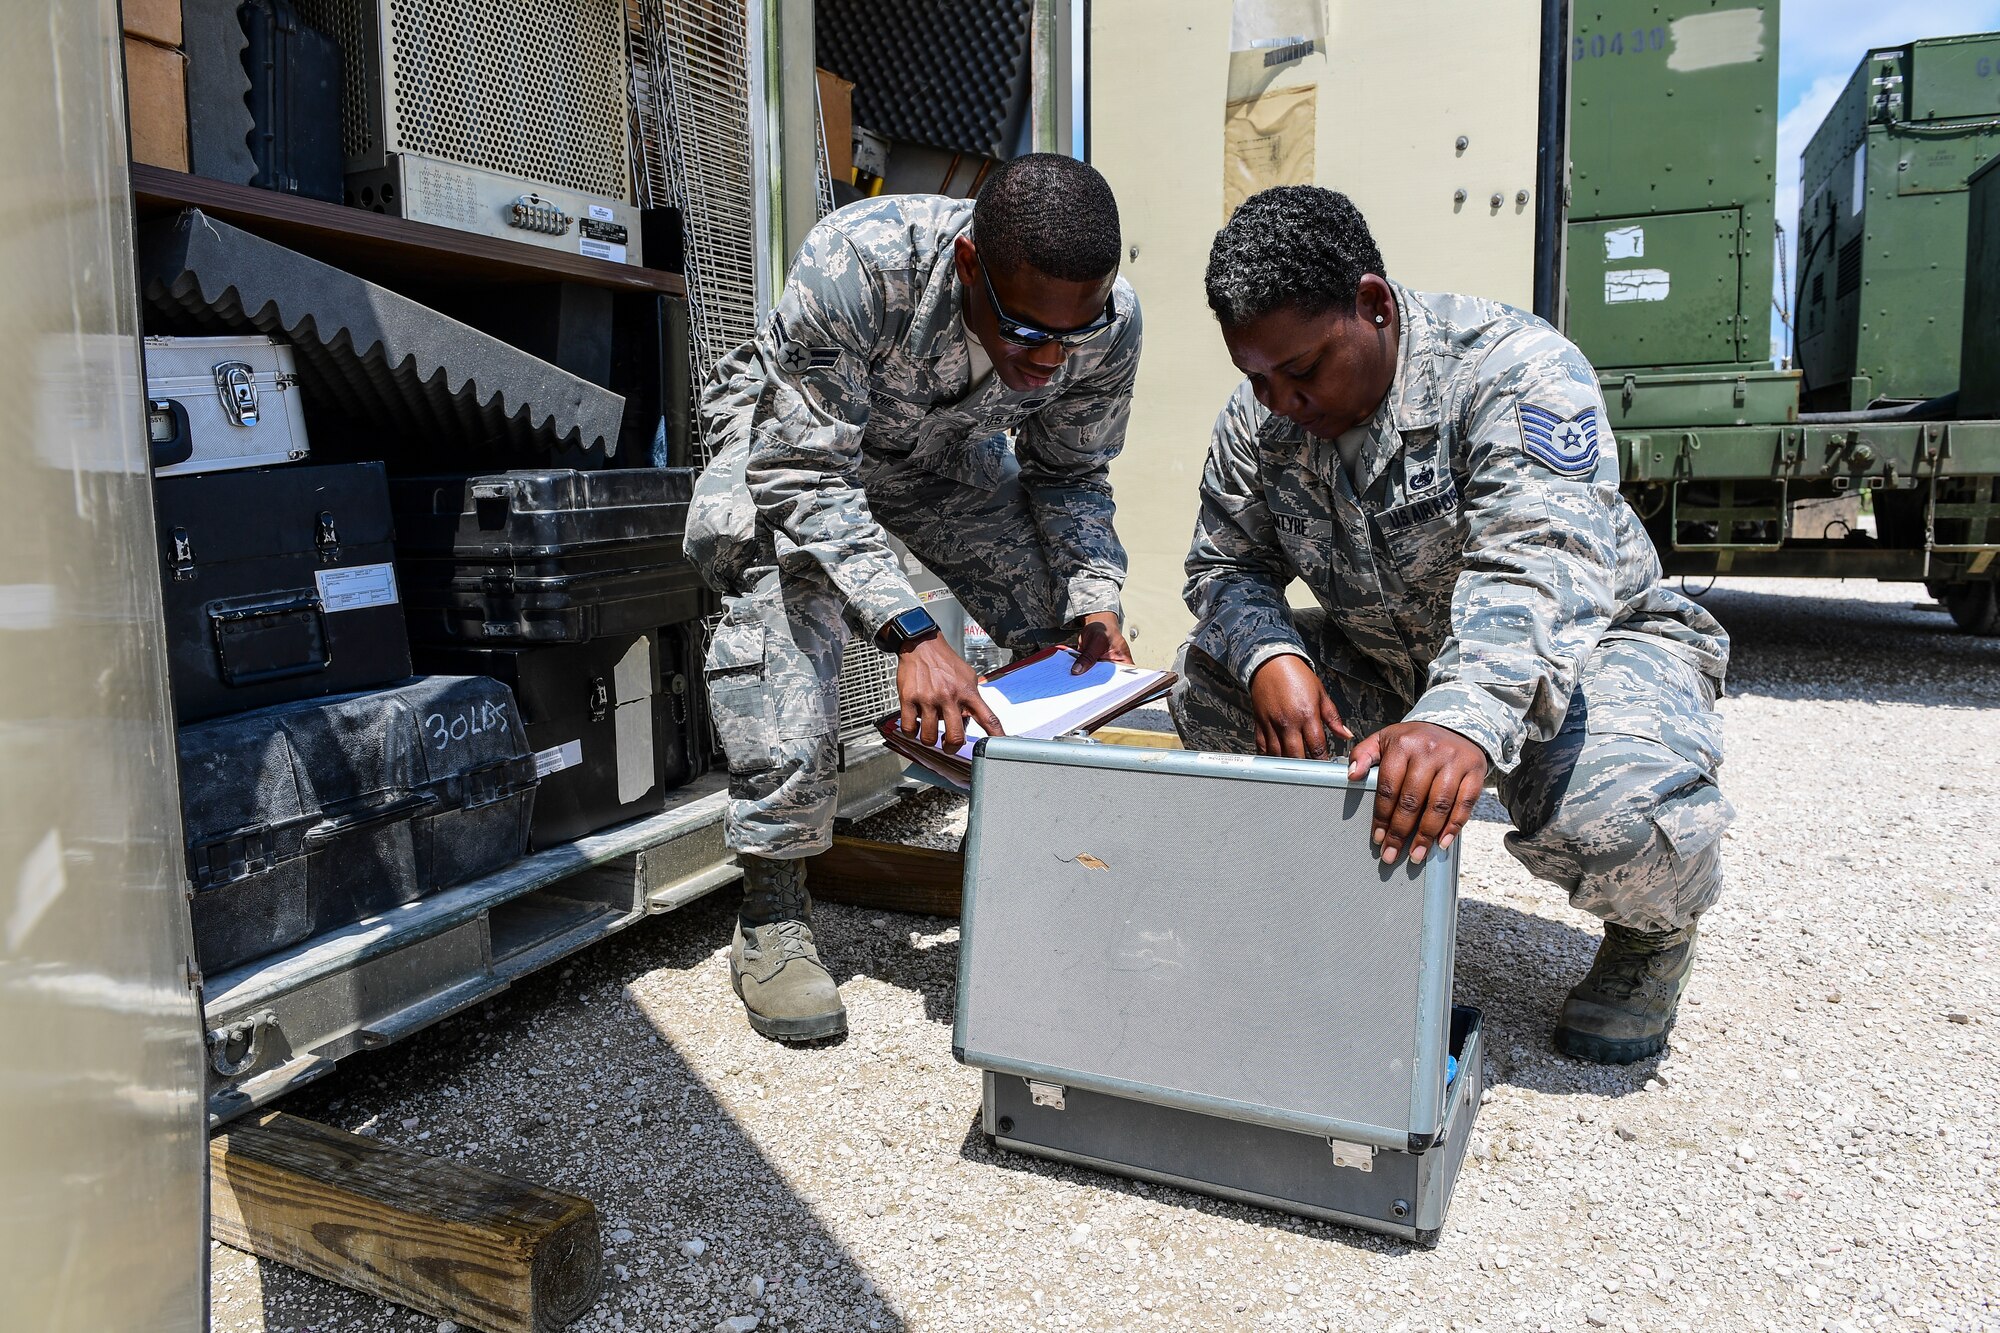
{"x":558,"y":757}
{"x":1625,"y":243}
{"x":356,"y":587}
{"x":632,"y":728}
{"x":600,"y":250}
{"x":599,"y":213}
{"x":1635,"y":284}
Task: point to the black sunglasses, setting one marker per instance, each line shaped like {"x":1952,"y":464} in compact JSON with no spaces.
{"x":1027,"y":333}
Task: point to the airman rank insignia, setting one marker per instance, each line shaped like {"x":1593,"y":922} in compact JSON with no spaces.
{"x":795,"y":358}
{"x":1566,"y":444}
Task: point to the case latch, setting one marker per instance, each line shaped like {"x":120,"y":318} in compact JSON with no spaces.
{"x":236,"y":386}
{"x":183,"y":554}
{"x":1046,"y":1094}
{"x":327,"y":538}
{"x":1353,"y":1156}
{"x":600,"y":699}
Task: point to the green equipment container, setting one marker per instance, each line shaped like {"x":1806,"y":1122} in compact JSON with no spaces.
{"x":1979,"y":354}
{"x":1673,"y":141}
{"x":1882,"y":222}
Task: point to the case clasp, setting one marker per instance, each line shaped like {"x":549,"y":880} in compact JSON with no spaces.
{"x":235,"y":385}
{"x":1046,"y":1094}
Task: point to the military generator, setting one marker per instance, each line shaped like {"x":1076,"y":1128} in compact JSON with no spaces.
{"x":1892,"y":470}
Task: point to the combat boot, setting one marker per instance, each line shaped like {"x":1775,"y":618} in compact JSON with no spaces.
{"x":1621,"y":1010}
{"x":773,"y":963}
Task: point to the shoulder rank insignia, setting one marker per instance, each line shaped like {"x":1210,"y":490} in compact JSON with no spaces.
{"x":1566,"y":444}
{"x":795,"y":358}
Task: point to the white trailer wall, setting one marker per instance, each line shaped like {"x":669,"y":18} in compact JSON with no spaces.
{"x":1395,"y":87}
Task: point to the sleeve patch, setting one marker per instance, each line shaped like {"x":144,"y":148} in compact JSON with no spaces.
{"x":1566,"y":444}
{"x":795,"y":358}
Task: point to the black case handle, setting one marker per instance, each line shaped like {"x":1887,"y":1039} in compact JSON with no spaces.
{"x":168,"y":433}
{"x":383,"y":810}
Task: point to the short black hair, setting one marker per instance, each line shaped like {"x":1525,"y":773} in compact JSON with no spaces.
{"x":1293,"y":247}
{"x":1051,"y":213}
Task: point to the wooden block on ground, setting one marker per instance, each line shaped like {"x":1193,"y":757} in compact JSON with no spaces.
{"x":1152,"y":740}
{"x":889,"y":876}
{"x":441,"y":1237}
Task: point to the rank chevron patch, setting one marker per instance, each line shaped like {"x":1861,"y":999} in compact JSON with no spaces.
{"x":1567,"y":444}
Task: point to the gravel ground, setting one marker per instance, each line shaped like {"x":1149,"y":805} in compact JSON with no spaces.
{"x":1816,"y":1151}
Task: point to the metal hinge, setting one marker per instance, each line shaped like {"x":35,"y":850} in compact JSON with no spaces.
{"x":236,"y":386}
{"x":1046,"y":1094}
{"x":1353,"y":1156}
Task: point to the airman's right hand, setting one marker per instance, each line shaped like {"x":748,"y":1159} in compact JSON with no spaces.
{"x":939,"y":690}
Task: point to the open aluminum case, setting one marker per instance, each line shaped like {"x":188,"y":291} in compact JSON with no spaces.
{"x":1193,"y":969}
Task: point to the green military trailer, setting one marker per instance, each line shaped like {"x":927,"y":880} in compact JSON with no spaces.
{"x":1870,"y":460}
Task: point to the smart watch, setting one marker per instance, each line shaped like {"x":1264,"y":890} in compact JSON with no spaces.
{"x":912,"y":626}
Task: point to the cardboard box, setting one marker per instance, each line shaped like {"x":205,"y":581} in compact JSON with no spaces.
{"x":156,"y":103}
{"x":836,"y":112}
{"x":158,"y":21}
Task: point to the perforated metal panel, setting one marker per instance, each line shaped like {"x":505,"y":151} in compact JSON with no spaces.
{"x":1211,"y":932}
{"x":531,"y":88}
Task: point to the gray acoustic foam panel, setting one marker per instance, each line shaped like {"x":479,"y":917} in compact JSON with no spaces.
{"x":363,"y":350}
{"x":949,"y":73}
{"x":218,"y":91}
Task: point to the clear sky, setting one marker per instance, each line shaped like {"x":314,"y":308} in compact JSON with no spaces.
{"x":1819,"y":44}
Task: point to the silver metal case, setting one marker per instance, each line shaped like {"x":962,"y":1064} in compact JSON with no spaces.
{"x":487,"y":203}
{"x":1159,"y":940}
{"x":238,"y":403}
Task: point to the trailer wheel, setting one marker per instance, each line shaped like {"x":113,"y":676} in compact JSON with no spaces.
{"x":1975,"y":606}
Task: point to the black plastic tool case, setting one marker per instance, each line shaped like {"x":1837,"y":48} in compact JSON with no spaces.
{"x":559,"y":556}
{"x":311,"y":816}
{"x":280,"y":585}
{"x":295,"y":88}
{"x":615,"y":723}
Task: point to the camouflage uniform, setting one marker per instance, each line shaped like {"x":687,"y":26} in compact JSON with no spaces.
{"x":852,"y":411}
{"x":1486,"y":577}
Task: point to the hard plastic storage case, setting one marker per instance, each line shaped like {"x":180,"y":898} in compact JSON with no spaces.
{"x":222,"y":403}
{"x":556,"y":556}
{"x":1194,"y":969}
{"x":615,"y":723}
{"x":311,"y":816}
{"x":295,"y":86}
{"x":279,"y":585}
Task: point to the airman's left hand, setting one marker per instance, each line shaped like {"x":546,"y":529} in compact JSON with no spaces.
{"x":1428,"y":784}
{"x":1102,"y":639}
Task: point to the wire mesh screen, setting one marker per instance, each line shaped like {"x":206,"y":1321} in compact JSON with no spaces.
{"x":691,"y":146}
{"x":692,"y":81}
{"x":530,"y":90}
